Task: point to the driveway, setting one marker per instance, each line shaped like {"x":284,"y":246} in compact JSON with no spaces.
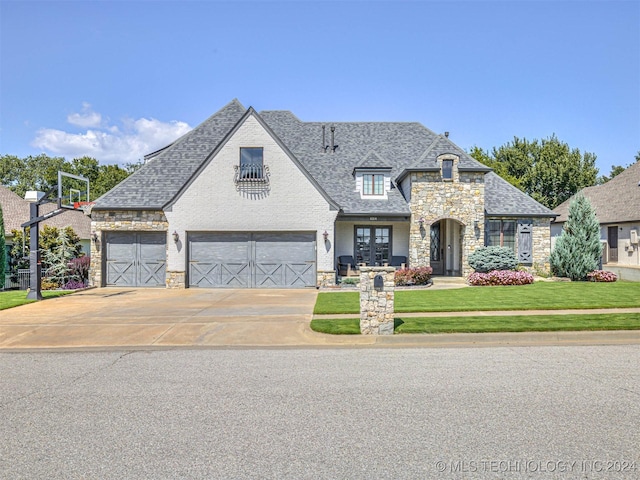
{"x":126,"y":317}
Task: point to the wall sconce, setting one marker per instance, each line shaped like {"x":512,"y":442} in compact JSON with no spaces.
{"x":176,"y":237}
{"x":421,"y":222}
{"x":94,"y":237}
{"x":476,"y":224}
{"x":325,"y":234}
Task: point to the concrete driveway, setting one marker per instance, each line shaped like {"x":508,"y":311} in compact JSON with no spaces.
{"x":127,"y":317}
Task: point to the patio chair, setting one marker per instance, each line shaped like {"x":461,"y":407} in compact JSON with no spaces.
{"x":346,"y":265}
{"x":398,"y":261}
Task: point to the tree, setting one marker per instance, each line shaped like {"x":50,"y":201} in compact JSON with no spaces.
{"x":578,"y":249}
{"x":41,"y":173}
{"x":548,"y":170}
{"x":3,"y":251}
{"x":58,"y":257}
{"x":49,"y":240}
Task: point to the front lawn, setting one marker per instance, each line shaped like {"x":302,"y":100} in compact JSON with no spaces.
{"x":538,"y":296}
{"x":523,"y":323}
{"x":15,"y":298}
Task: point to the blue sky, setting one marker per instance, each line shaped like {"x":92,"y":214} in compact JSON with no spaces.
{"x":118,"y":79}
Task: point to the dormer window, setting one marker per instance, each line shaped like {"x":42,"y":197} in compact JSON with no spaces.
{"x":373,"y":184}
{"x":447,"y":169}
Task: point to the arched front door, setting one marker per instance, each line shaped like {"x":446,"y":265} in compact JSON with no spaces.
{"x":446,"y":247}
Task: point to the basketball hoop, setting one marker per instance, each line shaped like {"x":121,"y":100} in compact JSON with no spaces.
{"x":84,"y":206}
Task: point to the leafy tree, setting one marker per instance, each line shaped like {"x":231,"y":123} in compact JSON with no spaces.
{"x":548,"y":169}
{"x":578,"y":249}
{"x":41,"y":173}
{"x":616,"y":170}
{"x":3,"y":251}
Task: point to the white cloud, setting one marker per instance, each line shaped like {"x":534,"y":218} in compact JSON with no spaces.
{"x":109,"y":143}
{"x":87,"y":119}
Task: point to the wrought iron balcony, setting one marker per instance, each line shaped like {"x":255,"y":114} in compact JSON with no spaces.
{"x":251,"y":174}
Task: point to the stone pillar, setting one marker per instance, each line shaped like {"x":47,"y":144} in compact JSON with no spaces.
{"x":376,"y":305}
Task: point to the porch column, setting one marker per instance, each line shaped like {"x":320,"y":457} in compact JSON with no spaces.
{"x":377,"y":300}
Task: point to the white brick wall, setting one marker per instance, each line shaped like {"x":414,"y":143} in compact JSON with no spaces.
{"x":212,"y":202}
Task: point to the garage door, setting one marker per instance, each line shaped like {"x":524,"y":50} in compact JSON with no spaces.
{"x":136,"y":259}
{"x":252,"y":260}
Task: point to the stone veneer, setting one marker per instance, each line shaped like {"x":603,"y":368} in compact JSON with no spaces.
{"x":128,"y":221}
{"x":376,"y":307}
{"x":541,"y":244}
{"x":326,"y":278}
{"x":433,"y":199}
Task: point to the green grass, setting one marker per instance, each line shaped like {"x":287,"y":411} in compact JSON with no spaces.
{"x":15,"y":298}
{"x":523,"y":323}
{"x":539,"y":296}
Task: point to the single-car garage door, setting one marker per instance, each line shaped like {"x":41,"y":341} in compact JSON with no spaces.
{"x":136,"y":259}
{"x":252,"y":260}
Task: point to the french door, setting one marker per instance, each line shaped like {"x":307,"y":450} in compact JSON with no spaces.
{"x":372,"y":245}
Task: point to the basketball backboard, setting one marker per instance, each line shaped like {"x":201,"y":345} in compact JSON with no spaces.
{"x":73,"y":191}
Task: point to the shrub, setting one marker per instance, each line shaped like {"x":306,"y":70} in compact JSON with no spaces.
{"x":488,"y":259}
{"x":413,"y":276}
{"x":79,"y":268}
{"x":73,"y":285}
{"x":601,"y":276}
{"x":500,"y":277}
{"x":48,"y":284}
{"x":350,"y":281}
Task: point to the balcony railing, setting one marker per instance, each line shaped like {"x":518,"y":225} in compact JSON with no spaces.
{"x":251,"y":174}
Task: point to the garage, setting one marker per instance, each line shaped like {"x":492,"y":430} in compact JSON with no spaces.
{"x":252,"y":260}
{"x":135,"y":259}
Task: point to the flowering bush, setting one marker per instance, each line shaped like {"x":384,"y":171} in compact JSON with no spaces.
{"x":73,"y":285}
{"x":79,"y":267}
{"x":413,"y":276}
{"x":601,"y":276}
{"x":500,"y":277}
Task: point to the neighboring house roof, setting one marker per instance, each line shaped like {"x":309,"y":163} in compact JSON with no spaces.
{"x":397,"y":146}
{"x":503,"y":199}
{"x":16,"y":212}
{"x":616,"y":201}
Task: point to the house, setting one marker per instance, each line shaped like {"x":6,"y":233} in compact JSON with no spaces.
{"x":617,"y":207}
{"x":16,"y":211}
{"x":250,"y":199}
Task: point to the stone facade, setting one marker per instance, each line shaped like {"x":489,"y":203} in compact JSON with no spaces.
{"x":541,"y":242}
{"x":460,"y":199}
{"x":125,"y":220}
{"x":175,"y":279}
{"x":326,"y":278}
{"x":376,"y":307}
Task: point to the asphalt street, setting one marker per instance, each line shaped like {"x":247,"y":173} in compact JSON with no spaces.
{"x":462,"y":413}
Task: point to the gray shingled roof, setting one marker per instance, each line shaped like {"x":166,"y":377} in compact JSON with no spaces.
{"x":169,"y":169}
{"x":503,"y":199}
{"x":616,"y":201}
{"x":16,"y":212}
{"x":401,"y":147}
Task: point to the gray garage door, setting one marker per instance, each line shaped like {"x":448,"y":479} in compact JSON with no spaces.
{"x":252,"y":260}
{"x":136,"y":259}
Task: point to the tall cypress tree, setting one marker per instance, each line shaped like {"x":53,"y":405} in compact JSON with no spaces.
{"x":3,"y":251}
{"x":578,"y":250}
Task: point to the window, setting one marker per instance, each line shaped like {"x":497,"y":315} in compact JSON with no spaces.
{"x":501,"y":233}
{"x":251,"y":163}
{"x":373,"y":184}
{"x":447,"y":169}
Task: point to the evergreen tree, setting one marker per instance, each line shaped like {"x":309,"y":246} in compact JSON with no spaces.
{"x":3,"y":251}
{"x":58,"y":258}
{"x":577,"y":251}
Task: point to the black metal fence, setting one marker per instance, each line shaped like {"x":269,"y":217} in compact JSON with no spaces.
{"x":17,"y":281}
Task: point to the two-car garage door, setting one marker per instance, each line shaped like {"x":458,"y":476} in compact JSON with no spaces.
{"x":252,"y":260}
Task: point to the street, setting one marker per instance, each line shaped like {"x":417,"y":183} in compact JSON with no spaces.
{"x":505,"y":413}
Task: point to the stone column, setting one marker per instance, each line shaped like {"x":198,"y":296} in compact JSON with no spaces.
{"x":376,"y":304}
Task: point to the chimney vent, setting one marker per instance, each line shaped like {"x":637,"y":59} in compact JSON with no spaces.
{"x":333,"y":140}
{"x":446,"y":134}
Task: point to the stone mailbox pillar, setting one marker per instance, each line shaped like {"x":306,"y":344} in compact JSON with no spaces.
{"x":376,"y":300}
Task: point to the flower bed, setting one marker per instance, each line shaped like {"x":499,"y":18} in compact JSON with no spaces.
{"x":601,"y":276}
{"x":500,"y":277}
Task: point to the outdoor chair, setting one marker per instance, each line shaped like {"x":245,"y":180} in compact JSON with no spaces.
{"x":346,"y":265}
{"x":398,"y":261}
